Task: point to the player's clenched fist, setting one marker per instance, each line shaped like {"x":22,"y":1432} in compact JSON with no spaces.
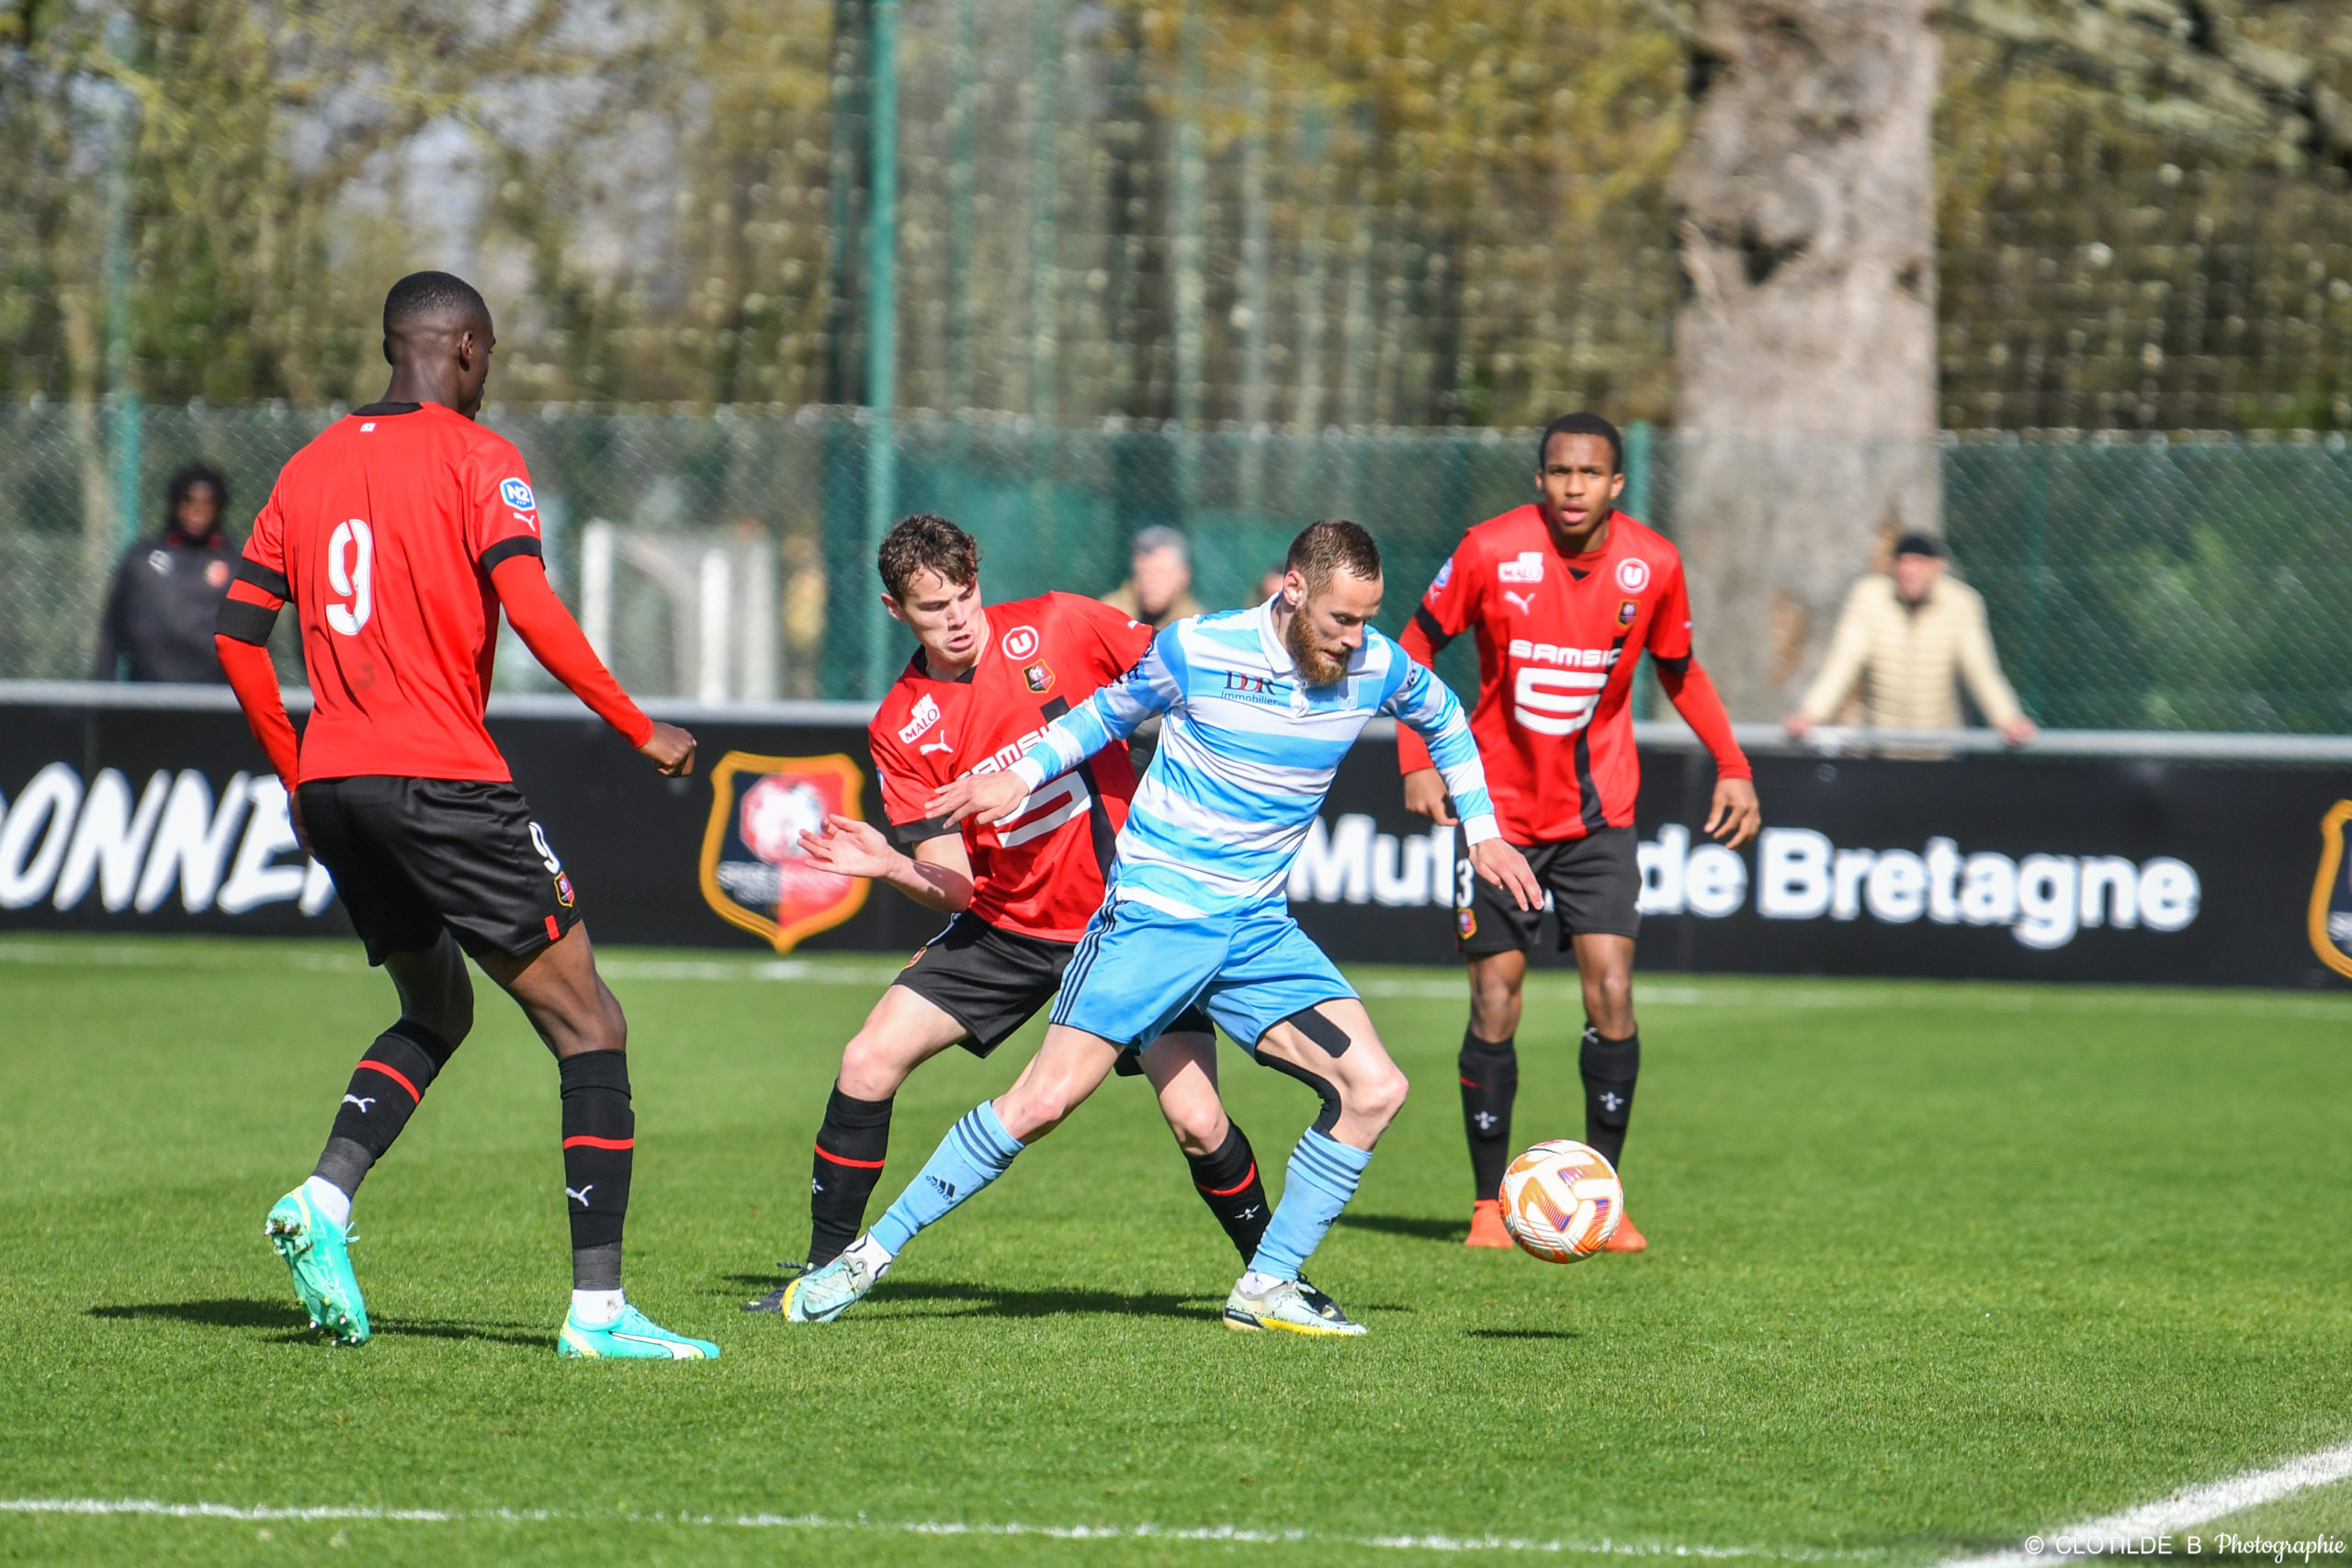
{"x":983,"y":798}
{"x":671,"y":749}
{"x":1507,"y":869}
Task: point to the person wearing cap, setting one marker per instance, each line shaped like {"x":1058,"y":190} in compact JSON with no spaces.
{"x":1158,"y":589}
{"x":1910,"y":636}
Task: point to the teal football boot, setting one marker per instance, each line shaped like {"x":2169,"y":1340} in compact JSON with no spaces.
{"x":317,"y":1254}
{"x":630,"y":1337}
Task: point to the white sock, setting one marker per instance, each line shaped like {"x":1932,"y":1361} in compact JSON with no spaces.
{"x":332,"y":1201}
{"x":1256,"y":1284}
{"x":873,"y":1254}
{"x":596,"y":1309}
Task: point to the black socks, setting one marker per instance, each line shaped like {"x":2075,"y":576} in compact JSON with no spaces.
{"x":599,"y":1146}
{"x":1229,"y":1185}
{"x":385,"y":1086}
{"x":851,"y":1147}
{"x":1489,"y":1074}
{"x":1610,"y":1067}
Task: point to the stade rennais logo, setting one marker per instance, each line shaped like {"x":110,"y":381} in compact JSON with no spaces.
{"x":755,"y":873}
{"x":2330,"y":922}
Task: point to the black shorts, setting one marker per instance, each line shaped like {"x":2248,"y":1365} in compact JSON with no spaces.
{"x":1593,"y":884}
{"x":993,"y":981}
{"x":411,"y":858}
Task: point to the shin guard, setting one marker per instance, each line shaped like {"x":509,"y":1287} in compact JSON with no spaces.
{"x":386,"y":1087}
{"x":599,"y":1146}
{"x":851,"y":1148}
{"x":1610,"y":1067}
{"x":1489,"y":1074}
{"x":1228,"y":1183}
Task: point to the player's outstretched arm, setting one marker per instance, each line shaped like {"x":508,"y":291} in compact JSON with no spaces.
{"x":556,"y":640}
{"x":938,"y":875}
{"x":1735,"y":816}
{"x":1113,"y":713}
{"x":241,"y":637}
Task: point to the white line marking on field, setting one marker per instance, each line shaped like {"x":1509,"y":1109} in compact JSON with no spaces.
{"x":1235,"y":1534}
{"x":1727,"y":995}
{"x":2188,"y":1507}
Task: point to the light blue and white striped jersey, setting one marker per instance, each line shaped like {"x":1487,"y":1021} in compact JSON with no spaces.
{"x":1247,"y":753}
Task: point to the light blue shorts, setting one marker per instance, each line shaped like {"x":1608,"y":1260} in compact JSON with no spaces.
{"x":1137,"y":967}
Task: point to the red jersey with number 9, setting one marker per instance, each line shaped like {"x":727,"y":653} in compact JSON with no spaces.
{"x":1558,"y":638}
{"x":383,"y":533}
{"x":1039,"y":873}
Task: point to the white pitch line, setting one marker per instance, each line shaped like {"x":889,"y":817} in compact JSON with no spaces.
{"x":1237,"y":1535}
{"x":849,"y":970}
{"x":2184,"y":1509}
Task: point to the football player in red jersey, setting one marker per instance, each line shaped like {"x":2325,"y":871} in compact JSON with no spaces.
{"x":1563,"y":596}
{"x":986,"y":679}
{"x":398,"y":535}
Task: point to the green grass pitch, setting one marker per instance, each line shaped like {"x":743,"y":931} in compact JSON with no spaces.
{"x":1932,"y":1267}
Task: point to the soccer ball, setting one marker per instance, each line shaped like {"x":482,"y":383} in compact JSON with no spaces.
{"x":1561,"y":1200}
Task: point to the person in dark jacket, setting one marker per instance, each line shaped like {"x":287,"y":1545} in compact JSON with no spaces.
{"x":167,"y":592}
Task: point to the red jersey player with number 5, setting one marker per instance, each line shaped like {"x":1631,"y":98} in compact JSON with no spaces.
{"x":1563,"y":597}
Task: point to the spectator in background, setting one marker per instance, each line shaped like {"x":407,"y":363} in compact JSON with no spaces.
{"x":167,"y":591}
{"x":1158,"y":587}
{"x":1910,"y":636}
{"x":1270,"y":583}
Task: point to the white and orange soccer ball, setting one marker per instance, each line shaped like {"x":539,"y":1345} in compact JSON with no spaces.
{"x":1561,"y":1200}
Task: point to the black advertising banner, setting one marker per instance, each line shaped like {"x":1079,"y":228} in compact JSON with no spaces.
{"x":129,"y":820}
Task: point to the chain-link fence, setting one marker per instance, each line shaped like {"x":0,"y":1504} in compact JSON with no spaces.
{"x":728,"y":555}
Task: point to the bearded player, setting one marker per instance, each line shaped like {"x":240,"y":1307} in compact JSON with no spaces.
{"x":398,"y":535}
{"x":986,"y":680}
{"x":1563,"y":596}
{"x":1261,"y":706}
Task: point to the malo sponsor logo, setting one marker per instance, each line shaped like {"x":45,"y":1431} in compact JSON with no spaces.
{"x":926,"y":714}
{"x":1527,"y":567}
{"x":755,"y":873}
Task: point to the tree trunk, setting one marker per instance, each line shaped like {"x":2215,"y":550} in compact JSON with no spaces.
{"x":1805,"y":345}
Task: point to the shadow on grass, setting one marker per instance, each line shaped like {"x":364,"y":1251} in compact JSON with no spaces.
{"x":956,"y":1298}
{"x":239,"y":1313}
{"x":1409,"y":1226}
{"x":1519,"y":1334}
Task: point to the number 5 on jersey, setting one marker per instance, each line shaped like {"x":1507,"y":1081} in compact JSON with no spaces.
{"x":352,"y":578}
{"x":1042,"y":812}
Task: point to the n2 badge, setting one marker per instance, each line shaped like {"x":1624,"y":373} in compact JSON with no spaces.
{"x":755,"y":873}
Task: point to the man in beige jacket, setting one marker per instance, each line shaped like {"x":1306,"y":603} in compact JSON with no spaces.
{"x":1906,"y":635}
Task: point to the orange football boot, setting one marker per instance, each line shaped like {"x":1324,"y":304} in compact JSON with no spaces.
{"x":1625,"y":1238}
{"x":1486,"y":1225}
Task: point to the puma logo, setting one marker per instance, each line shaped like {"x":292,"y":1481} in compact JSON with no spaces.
{"x":1252,"y":1213}
{"x":580,"y":1193}
{"x":363,"y":1104}
{"x":943,"y":744}
{"x":1526,"y":601}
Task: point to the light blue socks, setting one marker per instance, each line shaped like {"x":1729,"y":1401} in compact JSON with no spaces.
{"x":976,"y":1151}
{"x":1322,"y":1177}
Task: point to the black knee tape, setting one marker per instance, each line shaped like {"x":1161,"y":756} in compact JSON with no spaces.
{"x":1330,"y":1116}
{"x":1322,"y":1031}
{"x":599,"y":1146}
